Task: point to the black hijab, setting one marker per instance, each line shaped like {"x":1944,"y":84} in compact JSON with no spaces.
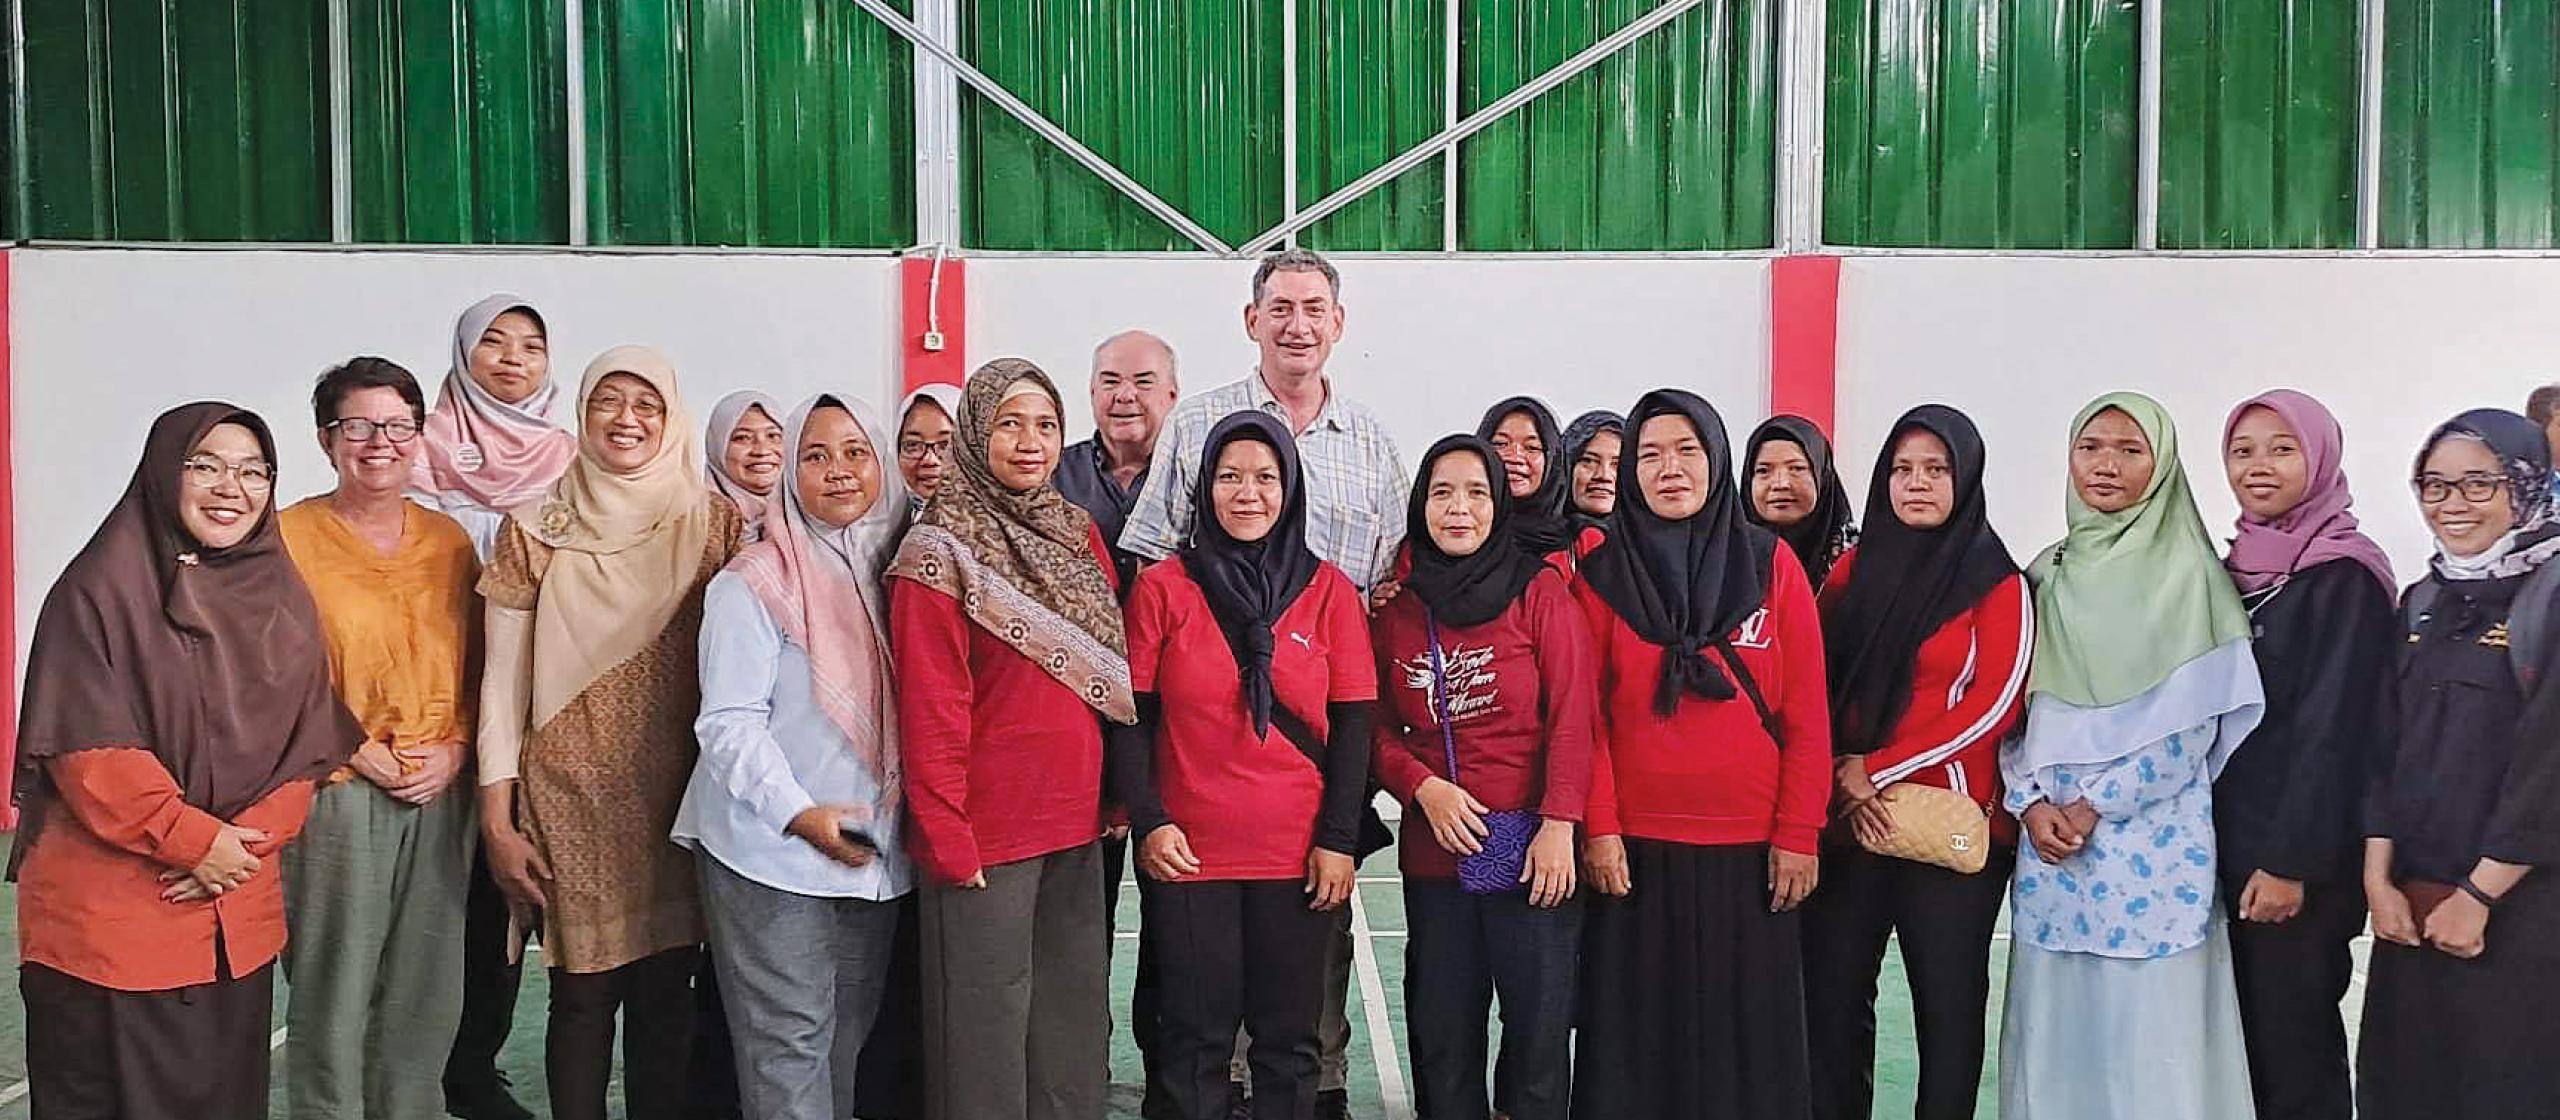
{"x":1472,"y":589}
{"x":1250,"y":585}
{"x":1683,"y":585}
{"x":1907,"y":583}
{"x":1541,"y":521}
{"x":1825,"y":533}
{"x":1577,"y":439}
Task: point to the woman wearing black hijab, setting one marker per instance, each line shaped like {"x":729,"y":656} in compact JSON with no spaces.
{"x":1591,"y":446}
{"x":1485,"y":665}
{"x":1523,"y":435}
{"x":1708,"y":789}
{"x":1795,"y":492}
{"x":1928,"y":655}
{"x":1245,"y":775}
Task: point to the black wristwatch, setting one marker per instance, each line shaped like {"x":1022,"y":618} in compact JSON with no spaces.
{"x":2468,"y":887}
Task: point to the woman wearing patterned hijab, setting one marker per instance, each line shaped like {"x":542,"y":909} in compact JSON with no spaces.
{"x":1011,"y":655}
{"x":2466,"y":926}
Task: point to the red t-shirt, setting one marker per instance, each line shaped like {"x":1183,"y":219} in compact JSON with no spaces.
{"x":1003,"y":762}
{"x":1247,"y":803}
{"x":1522,"y":700}
{"x":1711,"y":773}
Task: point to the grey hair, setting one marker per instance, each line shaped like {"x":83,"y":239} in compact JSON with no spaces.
{"x":1295,"y":260}
{"x":1172,"y":361}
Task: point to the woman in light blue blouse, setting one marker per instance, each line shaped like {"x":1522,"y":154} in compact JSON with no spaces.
{"x":2121,"y":1001}
{"x":794,"y":804}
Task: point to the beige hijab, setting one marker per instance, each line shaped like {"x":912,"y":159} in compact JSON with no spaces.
{"x":625,"y":547}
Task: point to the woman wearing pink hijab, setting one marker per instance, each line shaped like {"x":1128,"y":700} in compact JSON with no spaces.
{"x":491,"y":444}
{"x":2320,"y":597}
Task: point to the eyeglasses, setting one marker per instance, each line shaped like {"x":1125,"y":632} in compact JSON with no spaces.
{"x":914,"y":450}
{"x":2433,"y":490}
{"x":204,"y":472}
{"x":362,"y":430}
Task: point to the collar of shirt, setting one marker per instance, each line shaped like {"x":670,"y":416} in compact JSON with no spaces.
{"x":1266,"y":400}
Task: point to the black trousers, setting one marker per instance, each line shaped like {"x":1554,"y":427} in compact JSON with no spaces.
{"x":1144,"y":1027}
{"x":1232,"y":954}
{"x":890,"y":1082}
{"x":489,"y":984}
{"x":714,"y":1080}
{"x":655,"y":998}
{"x":1945,"y":921}
{"x":2291,"y":977}
{"x":1461,"y":952}
{"x":195,"y":1053}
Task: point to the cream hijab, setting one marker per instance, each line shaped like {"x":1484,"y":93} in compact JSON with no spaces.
{"x":627,"y":548}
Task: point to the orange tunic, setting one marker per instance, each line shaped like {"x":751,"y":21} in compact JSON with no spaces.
{"x":401,"y":625}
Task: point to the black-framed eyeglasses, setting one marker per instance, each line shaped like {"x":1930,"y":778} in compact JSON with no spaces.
{"x":2433,"y":490}
{"x":362,"y":430}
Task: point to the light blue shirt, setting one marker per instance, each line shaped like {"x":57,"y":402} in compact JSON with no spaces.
{"x":768,"y":753}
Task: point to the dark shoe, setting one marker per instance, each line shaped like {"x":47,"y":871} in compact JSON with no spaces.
{"x":1333,"y":1104}
{"x":1239,"y":1105}
{"x":485,"y":1100}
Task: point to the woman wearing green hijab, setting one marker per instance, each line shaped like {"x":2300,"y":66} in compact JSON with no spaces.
{"x":2121,"y":1000}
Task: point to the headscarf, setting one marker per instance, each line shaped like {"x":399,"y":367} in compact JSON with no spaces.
{"x":1542,"y":522}
{"x":1683,"y":585}
{"x":1021,"y":562}
{"x":211,"y":659}
{"x":1473,"y":589}
{"x":1826,"y":530}
{"x":2526,"y":454}
{"x":2322,"y":527}
{"x":1906,"y":583}
{"x":726,"y":415}
{"x":499,"y":455}
{"x":1250,"y":584}
{"x":625,"y":547}
{"x":823,"y":588}
{"x":1577,"y":439}
{"x":2126,"y":598}
{"x":944,"y":396}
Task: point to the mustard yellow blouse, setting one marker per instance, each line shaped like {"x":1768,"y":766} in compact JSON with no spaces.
{"x":402,"y":626}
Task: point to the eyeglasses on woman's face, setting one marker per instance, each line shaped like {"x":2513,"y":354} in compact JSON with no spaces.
{"x":2436,"y":489}
{"x":362,"y":430}
{"x":207,"y":472}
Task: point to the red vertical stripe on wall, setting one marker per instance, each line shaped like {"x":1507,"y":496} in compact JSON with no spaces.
{"x":8,"y":573}
{"x":1804,"y":338}
{"x":926,"y":308}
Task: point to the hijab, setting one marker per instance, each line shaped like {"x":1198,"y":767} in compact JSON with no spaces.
{"x":1250,"y":584}
{"x":498,"y":455}
{"x":1543,"y":523}
{"x":626,"y":547}
{"x":2322,"y":527}
{"x":1827,"y":531}
{"x":944,"y":396}
{"x":2127,"y":598}
{"x":822,"y":586}
{"x":2520,"y":445}
{"x":1683,"y":585}
{"x":1473,"y":589}
{"x":1577,"y":439}
{"x":212,"y":659}
{"x":726,"y":415}
{"x":1907,"y":583}
{"x":1020,"y":561}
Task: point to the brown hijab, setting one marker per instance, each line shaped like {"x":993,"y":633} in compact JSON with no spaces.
{"x":211,"y":659}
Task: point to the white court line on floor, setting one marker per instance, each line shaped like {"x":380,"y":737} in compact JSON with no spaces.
{"x":1373,"y":1003}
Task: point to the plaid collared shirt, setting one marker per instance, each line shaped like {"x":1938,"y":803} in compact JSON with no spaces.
{"x":1355,"y":481}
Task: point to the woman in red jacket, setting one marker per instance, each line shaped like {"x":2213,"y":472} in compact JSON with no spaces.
{"x":1707,"y":790}
{"x":1486,"y":667}
{"x":1007,"y":629}
{"x":1928,"y":630}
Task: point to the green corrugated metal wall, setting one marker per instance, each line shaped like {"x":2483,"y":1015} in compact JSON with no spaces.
{"x":1961,"y":123}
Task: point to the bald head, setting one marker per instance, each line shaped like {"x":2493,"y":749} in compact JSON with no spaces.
{"x":1134,"y":386}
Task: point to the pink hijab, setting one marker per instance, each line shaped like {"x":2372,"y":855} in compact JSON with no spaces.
{"x":499,"y":455}
{"x":2320,"y":529}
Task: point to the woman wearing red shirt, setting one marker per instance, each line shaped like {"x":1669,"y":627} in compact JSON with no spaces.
{"x":1250,"y":658}
{"x":1488,"y":636}
{"x":1007,"y":631}
{"x":1928,"y":629}
{"x":1707,"y":790}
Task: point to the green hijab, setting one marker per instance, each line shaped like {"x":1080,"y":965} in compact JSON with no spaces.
{"x":2128,"y":597}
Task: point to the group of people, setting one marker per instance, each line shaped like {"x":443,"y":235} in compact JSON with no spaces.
{"x":814,"y":744}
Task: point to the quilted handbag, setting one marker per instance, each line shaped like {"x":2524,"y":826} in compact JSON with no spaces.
{"x":1935,"y":826}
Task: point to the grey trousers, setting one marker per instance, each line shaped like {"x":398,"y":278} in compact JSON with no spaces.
{"x":800,"y":980}
{"x":376,"y":890}
{"x":1017,"y":1022}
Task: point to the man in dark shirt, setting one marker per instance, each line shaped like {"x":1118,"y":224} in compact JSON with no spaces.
{"x":1133,"y":388}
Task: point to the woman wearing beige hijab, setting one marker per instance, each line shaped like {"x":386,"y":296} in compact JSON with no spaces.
{"x":586,"y":732}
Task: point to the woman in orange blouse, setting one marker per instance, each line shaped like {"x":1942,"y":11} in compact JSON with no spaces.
{"x":178,"y":709}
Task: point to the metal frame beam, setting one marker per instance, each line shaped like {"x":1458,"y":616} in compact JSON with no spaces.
{"x":573,"y":78}
{"x":2370,"y":37}
{"x":1801,"y":68}
{"x":937,"y":134}
{"x":342,"y":145}
{"x":2146,"y":187}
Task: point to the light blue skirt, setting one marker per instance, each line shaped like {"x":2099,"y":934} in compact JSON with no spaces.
{"x":2087,"y":1037}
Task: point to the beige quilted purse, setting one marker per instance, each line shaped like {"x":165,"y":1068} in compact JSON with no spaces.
{"x":1935,"y":826}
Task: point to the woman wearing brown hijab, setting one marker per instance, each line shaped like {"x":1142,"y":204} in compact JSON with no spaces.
{"x":177,"y":711}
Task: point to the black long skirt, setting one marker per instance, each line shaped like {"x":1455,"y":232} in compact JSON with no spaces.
{"x":196,"y":1053}
{"x":1692,"y":994}
{"x":2449,"y":1039}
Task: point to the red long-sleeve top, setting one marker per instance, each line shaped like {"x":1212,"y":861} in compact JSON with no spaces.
{"x":1710,"y":773}
{"x":1521,"y":697}
{"x":1003,"y":763}
{"x":1968,"y":691}
{"x":89,"y":902}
